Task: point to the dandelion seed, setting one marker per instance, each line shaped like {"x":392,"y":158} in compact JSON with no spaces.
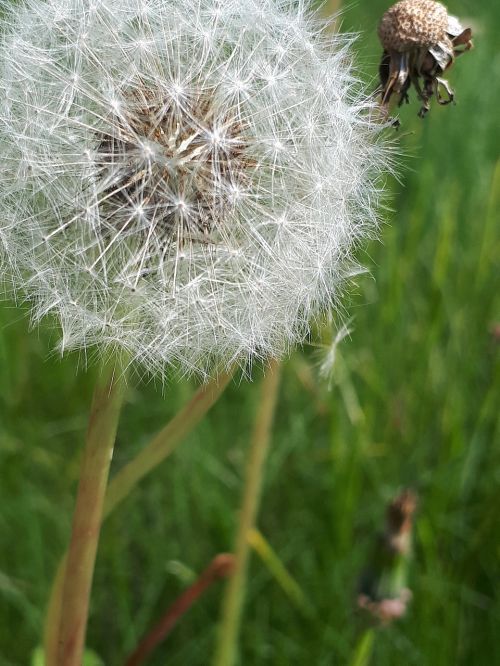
{"x":183,"y":180}
{"x":330,"y":354}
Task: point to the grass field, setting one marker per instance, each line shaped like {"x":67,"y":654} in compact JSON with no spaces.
{"x":414,"y":402}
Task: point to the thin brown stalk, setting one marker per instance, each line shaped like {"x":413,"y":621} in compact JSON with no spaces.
{"x":220,"y":567}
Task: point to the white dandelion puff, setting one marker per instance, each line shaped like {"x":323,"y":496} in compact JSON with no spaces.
{"x":184,"y":180}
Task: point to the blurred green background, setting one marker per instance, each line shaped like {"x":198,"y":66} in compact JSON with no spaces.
{"x":414,"y":402}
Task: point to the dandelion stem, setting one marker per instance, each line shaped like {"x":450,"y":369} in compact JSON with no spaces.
{"x":164,"y":443}
{"x":235,"y":591}
{"x":87,"y":518}
{"x":122,"y":484}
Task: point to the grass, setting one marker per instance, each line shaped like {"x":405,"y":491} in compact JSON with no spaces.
{"x":415,"y":403}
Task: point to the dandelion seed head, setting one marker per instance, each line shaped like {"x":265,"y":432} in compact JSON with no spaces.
{"x":183,"y":180}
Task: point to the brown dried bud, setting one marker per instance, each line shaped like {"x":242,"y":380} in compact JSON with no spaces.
{"x":383,"y":592}
{"x":413,"y":23}
{"x":399,"y":521}
{"x":420,"y":41}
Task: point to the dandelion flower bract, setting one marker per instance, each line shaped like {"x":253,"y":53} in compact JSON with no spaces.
{"x":186,"y":180}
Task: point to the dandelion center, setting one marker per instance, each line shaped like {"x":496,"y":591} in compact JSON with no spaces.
{"x":176,"y":160}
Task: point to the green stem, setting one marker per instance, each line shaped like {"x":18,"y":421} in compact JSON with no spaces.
{"x":162,"y":445}
{"x":87,"y":518}
{"x":232,"y":604}
{"x":363,"y":651}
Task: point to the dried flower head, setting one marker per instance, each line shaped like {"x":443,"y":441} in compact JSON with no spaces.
{"x":182,"y":179}
{"x":383,"y":592}
{"x":420,"y":41}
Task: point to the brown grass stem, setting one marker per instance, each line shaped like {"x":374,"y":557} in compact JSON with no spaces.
{"x":220,"y":567}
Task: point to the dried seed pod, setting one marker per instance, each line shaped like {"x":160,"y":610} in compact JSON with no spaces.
{"x":420,"y":41}
{"x":413,"y":23}
{"x":383,"y":592}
